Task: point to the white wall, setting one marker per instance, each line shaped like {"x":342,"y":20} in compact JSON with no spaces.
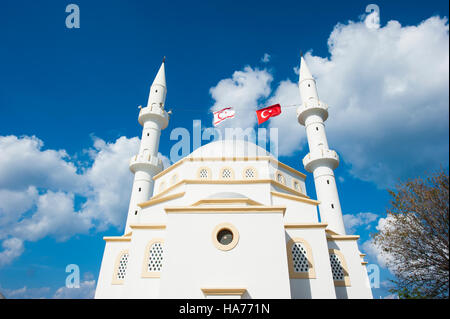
{"x":257,"y":263}
{"x":135,"y":285}
{"x":322,"y":285}
{"x":105,"y":288}
{"x":359,"y":285}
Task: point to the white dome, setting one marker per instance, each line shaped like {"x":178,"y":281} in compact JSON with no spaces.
{"x":226,"y":195}
{"x":229,"y":148}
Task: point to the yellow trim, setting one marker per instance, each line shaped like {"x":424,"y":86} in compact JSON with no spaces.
{"x":329,"y":231}
{"x":154,"y":201}
{"x":233,"y":230}
{"x":148,"y":226}
{"x":225,"y":209}
{"x":168,"y":169}
{"x":306,"y":225}
{"x":311,"y":274}
{"x":342,"y":237}
{"x":303,"y":198}
{"x":346,"y":281}
{"x":145,"y":272}
{"x":168,"y":189}
{"x":115,"y":280}
{"x":226,"y":201}
{"x":224,"y":291}
{"x":362,"y":255}
{"x":364,"y":263}
{"x":225,"y":181}
{"x":258,"y":158}
{"x":116,"y":238}
{"x":287,"y":167}
{"x":225,"y":178}
{"x":287,"y":188}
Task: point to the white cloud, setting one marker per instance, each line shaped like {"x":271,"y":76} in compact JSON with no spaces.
{"x":85,"y":291}
{"x":387,"y":89}
{"x":290,"y":132}
{"x":23,"y":164}
{"x":14,"y":203}
{"x":110,"y":181}
{"x":265,"y":58}
{"x":54,"y":216}
{"x":26,"y":293}
{"x":373,"y":251}
{"x":38,"y":190}
{"x":12,"y":248}
{"x":361,"y":219}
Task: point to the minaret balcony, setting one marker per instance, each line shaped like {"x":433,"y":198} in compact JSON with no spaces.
{"x":146,"y":163}
{"x":321,"y":157}
{"x":154,"y":113}
{"x":312,"y":107}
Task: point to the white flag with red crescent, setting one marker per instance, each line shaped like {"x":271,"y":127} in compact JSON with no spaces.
{"x":223,"y":114}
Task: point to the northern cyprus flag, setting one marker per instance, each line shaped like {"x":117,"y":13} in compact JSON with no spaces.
{"x":223,"y":114}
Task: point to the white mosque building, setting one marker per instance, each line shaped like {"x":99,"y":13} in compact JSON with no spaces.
{"x":231,"y":221}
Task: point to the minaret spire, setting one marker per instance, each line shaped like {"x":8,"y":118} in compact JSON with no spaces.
{"x":146,"y":163}
{"x":321,"y":161}
{"x":157,"y":95}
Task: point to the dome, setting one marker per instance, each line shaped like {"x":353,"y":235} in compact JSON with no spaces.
{"x":229,"y":148}
{"x":226,"y":195}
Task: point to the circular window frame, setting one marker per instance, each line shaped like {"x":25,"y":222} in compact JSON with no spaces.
{"x":232,"y":229}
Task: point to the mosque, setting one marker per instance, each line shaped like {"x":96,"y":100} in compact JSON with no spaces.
{"x":231,"y":221}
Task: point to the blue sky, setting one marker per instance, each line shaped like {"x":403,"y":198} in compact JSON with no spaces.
{"x":77,"y":91}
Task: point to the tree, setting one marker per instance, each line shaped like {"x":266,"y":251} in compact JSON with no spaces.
{"x":415,"y":238}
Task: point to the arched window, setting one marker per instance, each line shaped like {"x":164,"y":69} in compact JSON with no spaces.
{"x":204,"y":173}
{"x":226,"y":173}
{"x":174,"y":179}
{"x":300,"y":259}
{"x":162,"y":186}
{"x":297,"y":186}
{"x":249,"y":173}
{"x":153,"y":258}
{"x":120,"y":269}
{"x":339,"y":268}
{"x":281,"y":179}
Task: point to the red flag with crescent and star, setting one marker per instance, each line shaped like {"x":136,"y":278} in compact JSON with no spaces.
{"x":267,"y":112}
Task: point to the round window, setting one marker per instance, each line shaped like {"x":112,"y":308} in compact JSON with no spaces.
{"x":225,"y":236}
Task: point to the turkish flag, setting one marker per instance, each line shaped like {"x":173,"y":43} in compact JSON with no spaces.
{"x":267,"y":112}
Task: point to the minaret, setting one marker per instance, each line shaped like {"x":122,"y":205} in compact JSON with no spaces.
{"x":146,"y":163}
{"x":321,"y":161}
